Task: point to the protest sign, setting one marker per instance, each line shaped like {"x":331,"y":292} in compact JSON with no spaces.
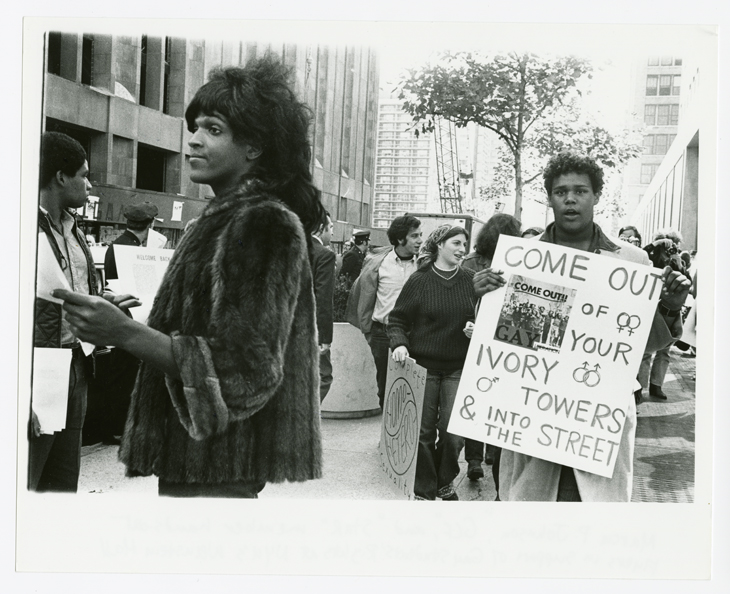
{"x":555,"y":352}
{"x":140,"y":271}
{"x":402,"y":408}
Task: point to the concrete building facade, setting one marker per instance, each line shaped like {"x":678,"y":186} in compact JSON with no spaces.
{"x":124,"y":98}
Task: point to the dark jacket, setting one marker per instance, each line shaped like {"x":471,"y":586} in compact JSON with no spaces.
{"x":476,"y":262}
{"x":323,"y":273}
{"x":47,"y":324}
{"x":352,"y":263}
{"x":240,"y":310}
{"x":364,"y":292}
{"x":110,"y":260}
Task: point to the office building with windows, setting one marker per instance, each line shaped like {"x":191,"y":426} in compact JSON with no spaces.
{"x":124,"y":98}
{"x":403,"y":166}
{"x":657,"y":84}
{"x":671,"y":199}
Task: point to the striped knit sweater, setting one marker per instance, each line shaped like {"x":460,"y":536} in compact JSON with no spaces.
{"x":429,"y":318}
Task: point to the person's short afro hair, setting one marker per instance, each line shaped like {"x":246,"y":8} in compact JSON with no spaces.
{"x":59,"y":152}
{"x":569,"y":162}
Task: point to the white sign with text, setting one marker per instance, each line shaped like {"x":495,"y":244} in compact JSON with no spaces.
{"x":555,"y":352}
{"x":140,"y":272}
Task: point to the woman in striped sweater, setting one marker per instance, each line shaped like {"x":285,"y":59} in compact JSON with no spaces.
{"x":429,"y":323}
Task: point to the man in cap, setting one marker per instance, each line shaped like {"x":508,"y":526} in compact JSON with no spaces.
{"x":353,"y":259}
{"x":139,"y":220}
{"x":116,"y":371}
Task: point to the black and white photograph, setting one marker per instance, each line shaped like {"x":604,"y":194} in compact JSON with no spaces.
{"x":230,"y":232}
{"x":534,"y":314}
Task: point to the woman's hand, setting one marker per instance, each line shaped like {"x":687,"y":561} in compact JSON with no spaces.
{"x":399,"y":354}
{"x":469,"y":329}
{"x":488,"y":280}
{"x":94,"y":319}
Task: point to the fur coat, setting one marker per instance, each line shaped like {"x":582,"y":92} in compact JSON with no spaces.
{"x":237,"y":300}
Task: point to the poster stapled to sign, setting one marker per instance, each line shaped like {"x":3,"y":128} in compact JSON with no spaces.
{"x":398,"y":449}
{"x":555,"y":352}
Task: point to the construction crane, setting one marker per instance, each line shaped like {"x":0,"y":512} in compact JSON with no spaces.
{"x":447,"y":166}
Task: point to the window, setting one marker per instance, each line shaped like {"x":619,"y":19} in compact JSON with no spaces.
{"x":649,"y":144}
{"x":53,"y":42}
{"x":662,"y":116}
{"x":143,"y":72}
{"x":342,"y":210}
{"x":676,"y":83}
{"x":677,"y":61}
{"x":647,"y":173}
{"x":650,"y":114}
{"x":652,"y":83}
{"x":657,"y":144}
{"x":365,"y":214}
{"x":166,"y":84}
{"x":150,"y":168}
{"x":674,"y":114}
{"x":654,"y":61}
{"x":87,"y":60}
{"x":665,"y":84}
{"x":666,"y":60}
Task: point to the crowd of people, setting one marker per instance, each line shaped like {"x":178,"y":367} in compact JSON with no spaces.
{"x":225,"y":380}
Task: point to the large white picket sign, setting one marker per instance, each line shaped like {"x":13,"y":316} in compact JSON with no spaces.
{"x":404,"y":389}
{"x":555,"y":352}
{"x":140,"y":271}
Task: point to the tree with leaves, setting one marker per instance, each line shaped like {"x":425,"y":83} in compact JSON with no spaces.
{"x":517,"y":96}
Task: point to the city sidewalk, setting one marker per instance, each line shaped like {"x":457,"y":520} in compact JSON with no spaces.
{"x":664,"y":457}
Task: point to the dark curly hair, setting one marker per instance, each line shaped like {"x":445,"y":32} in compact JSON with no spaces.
{"x":498,"y":224}
{"x":258,"y":103}
{"x":60,"y":152}
{"x":401,"y":227}
{"x":567,"y":162}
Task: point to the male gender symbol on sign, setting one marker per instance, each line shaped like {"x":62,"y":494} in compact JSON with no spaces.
{"x":589,"y":377}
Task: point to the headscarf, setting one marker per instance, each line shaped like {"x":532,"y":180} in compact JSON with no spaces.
{"x":429,"y":248}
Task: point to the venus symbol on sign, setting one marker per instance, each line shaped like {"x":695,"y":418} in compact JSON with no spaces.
{"x":629,"y":322}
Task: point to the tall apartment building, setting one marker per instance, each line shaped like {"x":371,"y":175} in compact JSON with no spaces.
{"x":403,"y":165}
{"x":657,"y":82}
{"x":124,"y":98}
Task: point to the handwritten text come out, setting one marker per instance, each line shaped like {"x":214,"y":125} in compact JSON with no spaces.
{"x":563,"y":394}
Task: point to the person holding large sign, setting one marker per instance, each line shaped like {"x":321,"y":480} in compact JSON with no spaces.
{"x":428,"y":324}
{"x":227,"y":395}
{"x":573,"y":183}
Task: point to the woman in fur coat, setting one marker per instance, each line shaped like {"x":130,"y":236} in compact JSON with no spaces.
{"x":227,"y":397}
